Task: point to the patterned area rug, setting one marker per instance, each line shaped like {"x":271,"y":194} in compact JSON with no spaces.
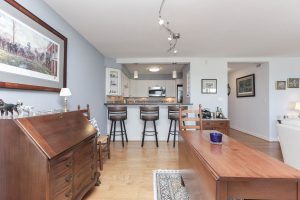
{"x":167,"y":185}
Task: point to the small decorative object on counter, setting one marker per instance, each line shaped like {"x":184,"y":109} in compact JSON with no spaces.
{"x":206,"y":114}
{"x":6,"y":108}
{"x":219,"y":113}
{"x":24,"y":109}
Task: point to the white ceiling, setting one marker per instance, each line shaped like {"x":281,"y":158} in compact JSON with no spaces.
{"x":164,"y":68}
{"x":210,"y":28}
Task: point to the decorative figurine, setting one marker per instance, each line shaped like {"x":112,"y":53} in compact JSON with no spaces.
{"x":8,"y":108}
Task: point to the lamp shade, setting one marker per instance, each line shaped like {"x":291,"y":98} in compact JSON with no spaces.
{"x":297,"y":106}
{"x":65,"y":92}
{"x":135,"y":74}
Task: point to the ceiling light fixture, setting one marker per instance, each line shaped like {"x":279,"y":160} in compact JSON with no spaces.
{"x":154,"y":69}
{"x":173,"y":38}
{"x":174,"y":74}
{"x":135,"y":74}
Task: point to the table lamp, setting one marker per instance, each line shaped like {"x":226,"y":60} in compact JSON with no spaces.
{"x":297,"y":107}
{"x":65,"y":92}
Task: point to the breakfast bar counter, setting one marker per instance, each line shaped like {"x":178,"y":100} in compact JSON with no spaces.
{"x":232,"y":170}
{"x":134,"y":125}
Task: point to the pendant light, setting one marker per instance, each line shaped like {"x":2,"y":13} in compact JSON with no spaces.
{"x":174,"y":74}
{"x":135,"y":74}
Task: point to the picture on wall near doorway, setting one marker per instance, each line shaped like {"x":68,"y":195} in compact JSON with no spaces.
{"x":245,"y":86}
{"x":293,"y":82}
{"x":32,"y":54}
{"x":209,"y":86}
{"x":280,"y":85}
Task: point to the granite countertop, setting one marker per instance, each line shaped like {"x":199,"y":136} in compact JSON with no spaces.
{"x":146,"y":103}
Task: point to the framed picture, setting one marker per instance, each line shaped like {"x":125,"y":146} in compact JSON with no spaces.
{"x":293,"y":83}
{"x":245,"y":86}
{"x":209,"y":86}
{"x":280,"y":85}
{"x":33,"y":55}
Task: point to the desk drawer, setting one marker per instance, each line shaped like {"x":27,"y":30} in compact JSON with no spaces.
{"x":62,"y":177}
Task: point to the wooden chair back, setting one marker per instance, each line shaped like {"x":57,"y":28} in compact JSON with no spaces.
{"x":86,"y":111}
{"x":190,"y":119}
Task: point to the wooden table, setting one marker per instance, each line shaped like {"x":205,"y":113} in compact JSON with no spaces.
{"x":233,"y":170}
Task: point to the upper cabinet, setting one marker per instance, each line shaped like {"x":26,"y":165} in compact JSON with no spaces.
{"x":125,"y":85}
{"x":139,"y":88}
{"x":113,"y":82}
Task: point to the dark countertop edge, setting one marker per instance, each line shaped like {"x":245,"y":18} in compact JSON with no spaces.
{"x":142,"y":104}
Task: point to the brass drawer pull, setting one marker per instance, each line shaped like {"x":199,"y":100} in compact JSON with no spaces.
{"x":69,"y":164}
{"x":68,"y":194}
{"x":68,"y":178}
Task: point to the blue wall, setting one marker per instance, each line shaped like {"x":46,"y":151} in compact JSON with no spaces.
{"x":86,"y":71}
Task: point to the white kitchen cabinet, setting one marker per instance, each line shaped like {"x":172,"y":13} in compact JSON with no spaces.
{"x":170,"y":88}
{"x":139,"y":88}
{"x":113,"y":82}
{"x":125,"y":85}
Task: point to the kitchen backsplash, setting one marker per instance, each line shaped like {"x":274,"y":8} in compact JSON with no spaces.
{"x":120,"y":99}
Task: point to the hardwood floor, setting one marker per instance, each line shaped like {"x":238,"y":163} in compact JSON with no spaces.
{"x":128,"y":174}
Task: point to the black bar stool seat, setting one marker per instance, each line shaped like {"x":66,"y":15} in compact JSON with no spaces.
{"x":117,"y":117}
{"x":149,"y":113}
{"x":150,"y":118}
{"x":118,"y":114}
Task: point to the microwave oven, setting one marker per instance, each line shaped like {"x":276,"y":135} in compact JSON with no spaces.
{"x":157,"y":91}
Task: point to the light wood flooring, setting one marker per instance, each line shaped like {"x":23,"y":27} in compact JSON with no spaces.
{"x":128,"y":174}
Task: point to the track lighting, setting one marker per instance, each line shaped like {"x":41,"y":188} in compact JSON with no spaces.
{"x":173,"y":37}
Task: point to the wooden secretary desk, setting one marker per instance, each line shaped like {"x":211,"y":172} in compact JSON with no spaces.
{"x":50,"y":157}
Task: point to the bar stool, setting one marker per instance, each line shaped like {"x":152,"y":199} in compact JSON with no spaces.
{"x":118,"y":114}
{"x":173,"y":115}
{"x":147,"y":114}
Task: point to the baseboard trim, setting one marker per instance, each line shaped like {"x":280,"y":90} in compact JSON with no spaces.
{"x":255,"y":134}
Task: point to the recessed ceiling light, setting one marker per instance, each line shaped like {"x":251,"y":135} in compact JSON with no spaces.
{"x":154,"y":69}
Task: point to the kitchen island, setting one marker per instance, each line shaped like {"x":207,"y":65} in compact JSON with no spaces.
{"x":134,"y":125}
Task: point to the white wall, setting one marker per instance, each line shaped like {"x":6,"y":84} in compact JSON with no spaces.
{"x":282,"y":101}
{"x":86,"y":73}
{"x":250,"y":114}
{"x":213,"y":68}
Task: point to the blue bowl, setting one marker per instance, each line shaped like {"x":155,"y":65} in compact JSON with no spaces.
{"x":216,"y":137}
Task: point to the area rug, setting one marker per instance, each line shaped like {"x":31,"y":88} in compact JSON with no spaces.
{"x":167,"y":185}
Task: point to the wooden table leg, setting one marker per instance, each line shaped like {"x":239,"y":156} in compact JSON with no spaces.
{"x":222,"y":193}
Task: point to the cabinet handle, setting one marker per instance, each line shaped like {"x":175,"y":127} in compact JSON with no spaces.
{"x":68,"y":178}
{"x":69,"y":164}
